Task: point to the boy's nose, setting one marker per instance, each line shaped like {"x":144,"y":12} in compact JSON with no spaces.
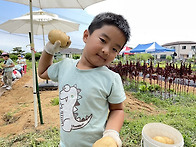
{"x":106,"y":50}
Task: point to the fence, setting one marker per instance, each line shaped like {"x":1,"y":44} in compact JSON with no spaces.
{"x":167,"y":81}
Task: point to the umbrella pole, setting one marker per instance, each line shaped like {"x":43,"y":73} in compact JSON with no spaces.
{"x":38,"y":98}
{"x":33,"y":64}
{"x":37,"y":90}
{"x":43,"y":34}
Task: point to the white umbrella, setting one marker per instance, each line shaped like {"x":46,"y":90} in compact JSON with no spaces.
{"x":79,"y":4}
{"x":44,"y":4}
{"x":43,"y":23}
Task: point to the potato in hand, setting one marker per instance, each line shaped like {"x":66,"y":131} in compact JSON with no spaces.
{"x":55,"y":35}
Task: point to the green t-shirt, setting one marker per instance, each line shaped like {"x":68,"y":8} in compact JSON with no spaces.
{"x":83,"y":101}
{"x":8,"y":63}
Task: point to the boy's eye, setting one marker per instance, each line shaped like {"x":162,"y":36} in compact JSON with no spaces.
{"x":102,"y":40}
{"x":115,"y":50}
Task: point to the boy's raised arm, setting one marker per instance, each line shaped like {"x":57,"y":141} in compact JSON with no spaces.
{"x":47,"y":58}
{"x":58,"y":38}
{"x":44,"y":62}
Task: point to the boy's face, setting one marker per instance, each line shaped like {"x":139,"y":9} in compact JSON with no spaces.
{"x":102,"y":46}
{"x":5,"y":57}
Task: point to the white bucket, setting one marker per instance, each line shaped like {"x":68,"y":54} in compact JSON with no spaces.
{"x":158,"y":129}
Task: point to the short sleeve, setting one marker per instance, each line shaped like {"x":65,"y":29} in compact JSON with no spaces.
{"x":53,"y":72}
{"x":117,"y":91}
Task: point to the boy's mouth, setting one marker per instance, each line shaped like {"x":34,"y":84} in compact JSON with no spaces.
{"x":101,"y":57}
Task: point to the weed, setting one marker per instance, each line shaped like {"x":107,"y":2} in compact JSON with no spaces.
{"x":46,"y":138}
{"x":9,"y":118}
{"x":55,"y":101}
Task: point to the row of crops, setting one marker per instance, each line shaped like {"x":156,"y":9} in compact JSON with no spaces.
{"x":166,"y":82}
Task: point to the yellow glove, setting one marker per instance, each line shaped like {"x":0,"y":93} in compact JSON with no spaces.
{"x":105,"y":142}
{"x":110,"y":139}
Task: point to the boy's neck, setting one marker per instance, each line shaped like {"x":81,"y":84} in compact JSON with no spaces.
{"x":82,"y":66}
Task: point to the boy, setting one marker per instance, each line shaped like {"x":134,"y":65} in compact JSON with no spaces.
{"x":87,"y":88}
{"x":21,"y":62}
{"x":7,"y":71}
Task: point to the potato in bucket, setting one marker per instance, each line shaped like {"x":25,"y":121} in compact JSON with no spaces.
{"x":161,"y":135}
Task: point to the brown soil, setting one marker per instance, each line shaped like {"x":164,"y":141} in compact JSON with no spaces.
{"x":17,"y":108}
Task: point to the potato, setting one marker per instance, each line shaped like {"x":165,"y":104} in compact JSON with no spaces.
{"x":105,"y":142}
{"x":163,"y":139}
{"x":55,"y":35}
{"x":168,"y":140}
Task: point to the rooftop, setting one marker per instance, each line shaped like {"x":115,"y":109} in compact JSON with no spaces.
{"x":178,"y":43}
{"x":72,"y":51}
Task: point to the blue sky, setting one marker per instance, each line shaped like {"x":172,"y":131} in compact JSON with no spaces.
{"x":162,"y":21}
{"x":9,"y":10}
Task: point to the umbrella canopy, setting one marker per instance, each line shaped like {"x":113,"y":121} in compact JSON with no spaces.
{"x":150,"y":48}
{"x":44,"y":4}
{"x":43,"y":23}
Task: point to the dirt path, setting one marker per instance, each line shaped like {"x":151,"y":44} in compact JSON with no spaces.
{"x":17,"y":108}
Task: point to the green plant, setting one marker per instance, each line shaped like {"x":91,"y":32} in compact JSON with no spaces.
{"x":76,"y":56}
{"x":9,"y":118}
{"x":143,"y":88}
{"x":150,"y":88}
{"x":169,"y":58}
{"x":55,"y":101}
{"x":45,"y":138}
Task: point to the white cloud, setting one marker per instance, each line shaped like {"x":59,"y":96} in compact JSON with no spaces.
{"x":162,"y":21}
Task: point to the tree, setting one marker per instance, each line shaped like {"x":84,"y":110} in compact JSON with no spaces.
{"x":29,"y":56}
{"x":1,"y":51}
{"x":17,"y":51}
{"x":169,"y":58}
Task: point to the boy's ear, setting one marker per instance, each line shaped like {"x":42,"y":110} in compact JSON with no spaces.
{"x":85,"y":35}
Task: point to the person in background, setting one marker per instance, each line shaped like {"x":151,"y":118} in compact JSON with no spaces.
{"x":7,"y":71}
{"x":19,"y":68}
{"x":90,"y":95}
{"x":24,"y":64}
{"x":16,"y":74}
{"x":20,"y":62}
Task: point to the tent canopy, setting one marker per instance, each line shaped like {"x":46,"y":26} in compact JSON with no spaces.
{"x":126,"y":51}
{"x":150,"y":48}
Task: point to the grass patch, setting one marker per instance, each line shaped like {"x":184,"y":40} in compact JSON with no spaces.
{"x":48,"y":138}
{"x":180,"y":114}
{"x":55,"y":101}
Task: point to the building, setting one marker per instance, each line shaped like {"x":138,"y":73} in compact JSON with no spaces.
{"x":70,"y":52}
{"x":184,"y":49}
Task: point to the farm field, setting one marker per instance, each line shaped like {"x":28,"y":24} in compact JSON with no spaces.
{"x":17,"y":117}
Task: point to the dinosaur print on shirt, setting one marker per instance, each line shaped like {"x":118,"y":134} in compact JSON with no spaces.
{"x":68,"y":103}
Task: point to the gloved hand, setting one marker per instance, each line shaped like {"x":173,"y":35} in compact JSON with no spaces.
{"x":110,"y":138}
{"x":54,"y":48}
{"x":105,"y":142}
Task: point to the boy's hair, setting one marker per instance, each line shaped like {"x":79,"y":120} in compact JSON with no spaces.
{"x":110,"y":19}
